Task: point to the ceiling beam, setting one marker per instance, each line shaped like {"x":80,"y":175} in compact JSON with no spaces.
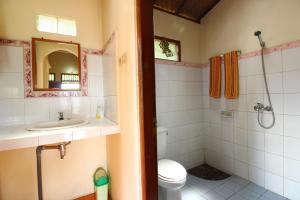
{"x":180,"y":7}
{"x":208,"y":10}
{"x":181,"y":16}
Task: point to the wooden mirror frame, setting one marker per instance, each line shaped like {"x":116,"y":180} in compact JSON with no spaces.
{"x":34,"y":65}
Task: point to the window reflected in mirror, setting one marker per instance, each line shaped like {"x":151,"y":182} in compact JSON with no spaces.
{"x":56,"y":65}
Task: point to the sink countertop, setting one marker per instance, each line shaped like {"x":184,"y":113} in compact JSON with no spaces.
{"x":16,"y":136}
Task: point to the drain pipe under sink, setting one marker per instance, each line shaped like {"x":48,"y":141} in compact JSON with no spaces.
{"x":62,"y":150}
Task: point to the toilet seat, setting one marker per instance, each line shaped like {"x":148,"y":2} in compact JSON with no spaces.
{"x":171,"y":171}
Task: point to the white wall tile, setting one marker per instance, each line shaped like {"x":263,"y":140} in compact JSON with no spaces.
{"x":243,"y":85}
{"x":255,"y":84}
{"x":290,"y":81}
{"x":177,"y":103}
{"x":99,"y":101}
{"x":205,"y":88}
{"x":252,"y":100}
{"x":292,"y":148}
{"x":59,"y":105}
{"x":11,"y":59}
{"x":257,"y":175}
{"x":256,"y":140}
{"x":292,"y":126}
{"x":81,"y":107}
{"x":275,"y":83}
{"x":277,"y":102}
{"x":291,"y":189}
{"x":240,"y":104}
{"x":242,"y":67}
{"x":193,"y":74}
{"x":256,"y":158}
{"x":241,"y":169}
{"x":241,"y":153}
{"x":11,"y":85}
{"x":162,"y":104}
{"x":254,"y":66}
{"x":111,"y":108}
{"x":253,"y":123}
{"x":162,"y":72}
{"x":274,"y":164}
{"x":291,"y":59}
{"x":94,"y":64}
{"x":95,"y":86}
{"x":240,"y":119}
{"x":278,"y":126}
{"x":274,"y":183}
{"x":205,"y":74}
{"x":291,"y":104}
{"x":37,"y":110}
{"x":162,"y":89}
{"x":177,"y":73}
{"x":227,"y":149}
{"x":12,"y":112}
{"x":273,"y":62}
{"x":240,"y":136}
{"x":274,"y":144}
{"x":291,"y":169}
{"x":227,"y":133}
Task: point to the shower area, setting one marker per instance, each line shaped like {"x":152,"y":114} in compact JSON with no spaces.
{"x":245,"y":147}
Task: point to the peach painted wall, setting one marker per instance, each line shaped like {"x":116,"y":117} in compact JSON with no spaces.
{"x":189,"y":33}
{"x":18,"y":19}
{"x":124,"y":149}
{"x":231,"y":25}
{"x":62,"y":179}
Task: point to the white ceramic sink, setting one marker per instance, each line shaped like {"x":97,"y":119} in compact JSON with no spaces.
{"x":54,"y":125}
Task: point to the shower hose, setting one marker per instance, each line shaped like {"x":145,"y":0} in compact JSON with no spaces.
{"x":260,"y":111}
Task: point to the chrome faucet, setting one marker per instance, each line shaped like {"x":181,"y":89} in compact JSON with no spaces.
{"x":261,"y":107}
{"x":61,"y":116}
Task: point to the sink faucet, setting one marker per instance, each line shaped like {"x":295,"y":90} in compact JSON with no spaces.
{"x":61,"y":116}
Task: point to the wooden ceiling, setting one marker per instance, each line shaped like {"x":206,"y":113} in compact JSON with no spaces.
{"x":193,"y":10}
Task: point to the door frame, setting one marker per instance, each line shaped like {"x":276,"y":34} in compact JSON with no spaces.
{"x":147,"y":107}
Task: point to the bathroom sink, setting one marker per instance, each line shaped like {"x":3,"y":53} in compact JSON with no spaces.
{"x":54,"y":125}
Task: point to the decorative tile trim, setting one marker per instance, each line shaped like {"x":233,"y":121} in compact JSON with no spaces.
{"x":183,"y":64}
{"x":28,"y":82}
{"x":281,"y":47}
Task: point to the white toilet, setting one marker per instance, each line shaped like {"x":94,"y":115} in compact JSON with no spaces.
{"x":171,"y":174}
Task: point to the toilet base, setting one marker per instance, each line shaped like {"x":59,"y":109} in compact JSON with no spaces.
{"x":167,"y":194}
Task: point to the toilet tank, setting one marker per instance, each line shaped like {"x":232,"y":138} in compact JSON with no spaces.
{"x":162,"y":133}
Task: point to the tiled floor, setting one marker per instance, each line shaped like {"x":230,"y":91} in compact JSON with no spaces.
{"x":232,"y":188}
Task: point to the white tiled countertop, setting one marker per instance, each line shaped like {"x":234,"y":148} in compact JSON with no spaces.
{"x":17,"y":136}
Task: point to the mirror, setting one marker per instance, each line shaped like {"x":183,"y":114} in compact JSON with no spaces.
{"x":56,"y":65}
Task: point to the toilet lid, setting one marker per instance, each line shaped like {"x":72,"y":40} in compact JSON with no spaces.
{"x":170,"y":170}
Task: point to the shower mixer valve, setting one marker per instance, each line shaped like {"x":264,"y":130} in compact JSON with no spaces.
{"x":261,"y":107}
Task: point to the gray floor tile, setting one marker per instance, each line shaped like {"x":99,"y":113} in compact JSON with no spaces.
{"x":233,"y":188}
{"x":212,"y":195}
{"x":272,"y":196}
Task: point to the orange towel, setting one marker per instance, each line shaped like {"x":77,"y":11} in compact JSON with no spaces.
{"x":231,"y":70}
{"x":215,"y":77}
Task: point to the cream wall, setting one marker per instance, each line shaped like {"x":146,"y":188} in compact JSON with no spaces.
{"x":18,"y":19}
{"x":63,"y":179}
{"x":231,"y":25}
{"x":124,"y":149}
{"x":189,"y":33}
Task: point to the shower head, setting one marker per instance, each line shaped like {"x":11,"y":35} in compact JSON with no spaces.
{"x":262,"y":43}
{"x":257,"y":33}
